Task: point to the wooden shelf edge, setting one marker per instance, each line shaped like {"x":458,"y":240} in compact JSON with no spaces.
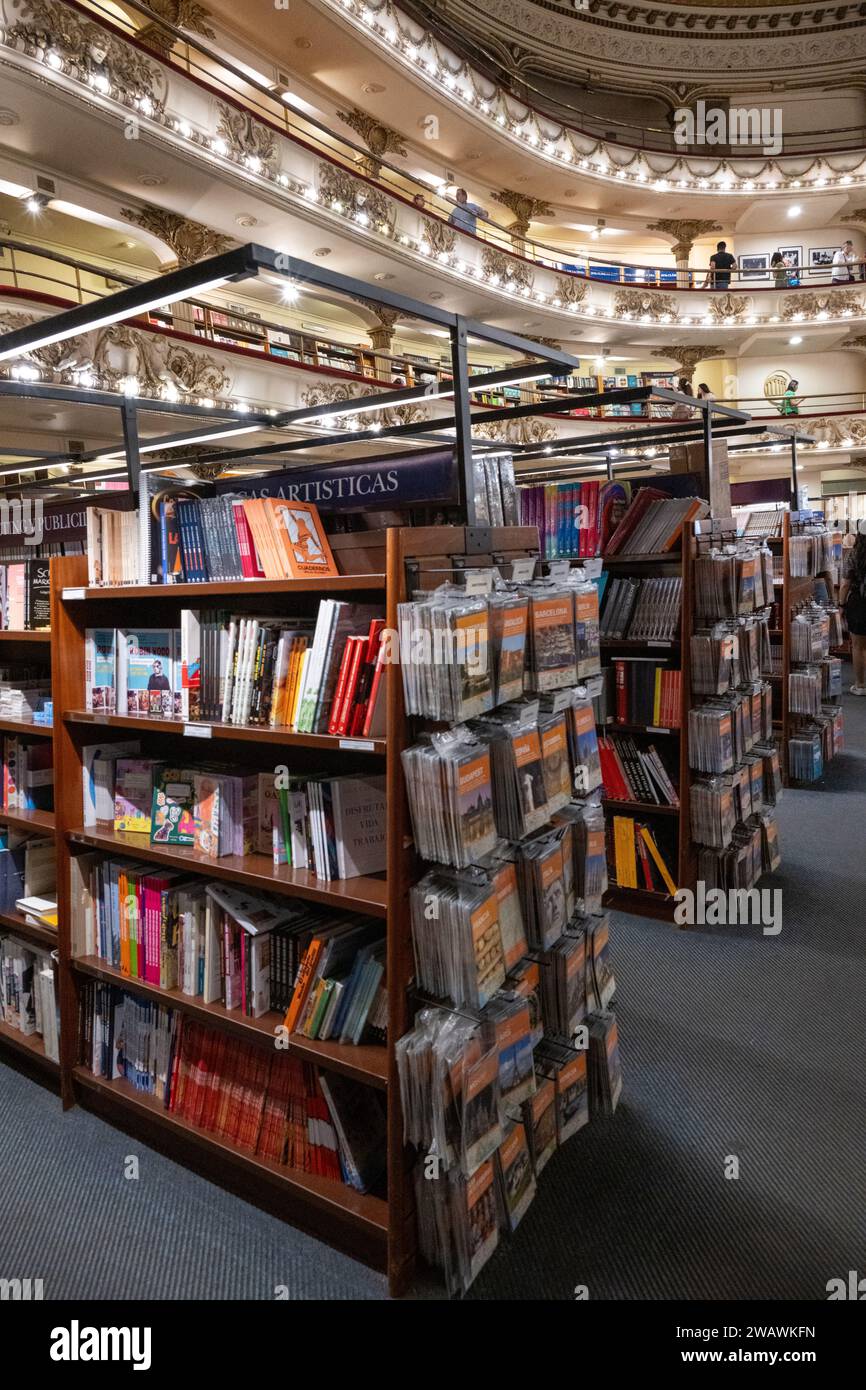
{"x":39,"y":634}
{"x":361,"y":1063}
{"x":26,"y":726}
{"x":360,"y":1210}
{"x":327,"y":584}
{"x":362,"y":894}
{"x":46,"y":937}
{"x":640,"y":807}
{"x":250,"y":732}
{"x":29,"y":1045}
{"x":30,"y":820}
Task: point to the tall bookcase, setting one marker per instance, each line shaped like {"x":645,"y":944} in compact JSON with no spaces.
{"x":379,"y":1231}
{"x":674,"y":563}
{"x":26,"y":647}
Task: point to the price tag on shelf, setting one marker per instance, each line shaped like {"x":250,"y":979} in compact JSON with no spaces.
{"x":659,"y":644}
{"x":522,"y":569}
{"x":593,"y":567}
{"x":559,"y":569}
{"x":69,"y":594}
{"x":562,"y":700}
{"x":655,"y":729}
{"x":478,"y":582}
{"x":198,"y":730}
{"x":363,"y":745}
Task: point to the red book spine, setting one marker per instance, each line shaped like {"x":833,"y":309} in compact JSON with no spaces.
{"x":374,"y":689}
{"x":351,"y":685}
{"x":340,"y":691}
{"x":365,"y":682}
{"x":249,"y":557}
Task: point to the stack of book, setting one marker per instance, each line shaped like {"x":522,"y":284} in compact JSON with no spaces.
{"x":647,"y":692}
{"x":309,"y":676}
{"x":259,"y":1100}
{"x":28,"y":1000}
{"x":654,"y":523}
{"x":334,"y":826}
{"x":631,"y":773}
{"x":179,"y":535}
{"x":634,"y":843}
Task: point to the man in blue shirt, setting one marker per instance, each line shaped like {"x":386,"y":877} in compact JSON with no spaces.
{"x":464,"y":215}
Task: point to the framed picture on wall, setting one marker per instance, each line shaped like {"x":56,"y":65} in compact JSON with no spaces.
{"x":793,"y":256}
{"x":821,"y":260}
{"x":754,"y":266}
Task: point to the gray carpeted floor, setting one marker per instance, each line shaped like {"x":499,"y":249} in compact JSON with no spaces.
{"x":733,"y":1044}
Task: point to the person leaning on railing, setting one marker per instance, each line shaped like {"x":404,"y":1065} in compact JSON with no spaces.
{"x":721,"y":265}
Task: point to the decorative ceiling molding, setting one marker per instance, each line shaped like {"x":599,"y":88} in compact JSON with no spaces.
{"x":500,"y":268}
{"x":86,"y":51}
{"x":649,"y":306}
{"x":248,"y":140}
{"x":190,"y":241}
{"x":523,"y":431}
{"x":829,"y":302}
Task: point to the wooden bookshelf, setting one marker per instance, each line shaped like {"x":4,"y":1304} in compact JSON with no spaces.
{"x":378,"y":1231}
{"x":18,"y":644}
{"x":642,"y":901}
{"x":252,"y":733}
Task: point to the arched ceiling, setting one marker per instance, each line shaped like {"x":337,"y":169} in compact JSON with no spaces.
{"x":673,"y":48}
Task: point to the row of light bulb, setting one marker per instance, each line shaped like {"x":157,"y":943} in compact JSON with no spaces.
{"x":420,"y":54}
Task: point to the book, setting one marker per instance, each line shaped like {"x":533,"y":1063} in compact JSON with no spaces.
{"x":100,"y":670}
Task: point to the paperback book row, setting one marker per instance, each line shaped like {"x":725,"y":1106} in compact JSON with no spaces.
{"x":28,"y":774}
{"x":654,"y":524}
{"x":334,"y":827}
{"x":25,"y":695}
{"x":323,"y":972}
{"x":574,"y":520}
{"x":25,"y":602}
{"x":647,"y":692}
{"x":503,"y":776}
{"x":320,"y":675}
{"x":489,"y":1099}
{"x":641,"y":609}
{"x":179,"y":535}
{"x":28,"y":996}
{"x":257,"y":1099}
{"x":496,"y":502}
{"x":819,"y":551}
{"x":462,"y":656}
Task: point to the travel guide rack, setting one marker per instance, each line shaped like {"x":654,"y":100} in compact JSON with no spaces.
{"x":683,"y":870}
{"x":795,"y":591}
{"x":380,"y":1231}
{"x":27,"y":646}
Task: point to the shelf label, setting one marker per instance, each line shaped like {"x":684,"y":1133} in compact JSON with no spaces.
{"x":364,"y":745}
{"x":69,"y":594}
{"x":655,"y":729}
{"x":562,"y":700}
{"x":559,"y":569}
{"x":659,"y":644}
{"x":198,"y":730}
{"x":478,"y":582}
{"x":522,"y":569}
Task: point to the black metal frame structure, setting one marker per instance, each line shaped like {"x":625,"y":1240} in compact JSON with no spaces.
{"x":251,"y":261}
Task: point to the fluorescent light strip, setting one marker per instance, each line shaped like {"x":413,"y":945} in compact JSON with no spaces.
{"x":178,"y":443}
{"x":105,"y":319}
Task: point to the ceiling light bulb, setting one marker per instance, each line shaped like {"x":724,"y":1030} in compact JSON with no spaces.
{"x":796,"y":340}
{"x":794,"y":210}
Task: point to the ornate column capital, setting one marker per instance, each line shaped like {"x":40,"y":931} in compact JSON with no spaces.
{"x":380,"y":139}
{"x":684,"y":232}
{"x":687,"y":356}
{"x":524,"y":207}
